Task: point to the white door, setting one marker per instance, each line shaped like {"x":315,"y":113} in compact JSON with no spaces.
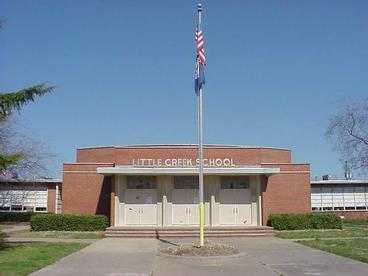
{"x":185,"y":206}
{"x":243,"y":207}
{"x":141,"y":206}
{"x":227,"y":207}
{"x":132,"y":213}
{"x":235,"y":207}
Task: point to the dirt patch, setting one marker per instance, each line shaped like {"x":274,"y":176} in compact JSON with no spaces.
{"x":209,"y":249}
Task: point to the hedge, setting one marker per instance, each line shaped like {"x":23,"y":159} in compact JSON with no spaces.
{"x":305,"y":221}
{"x":16,"y":216}
{"x":61,"y":222}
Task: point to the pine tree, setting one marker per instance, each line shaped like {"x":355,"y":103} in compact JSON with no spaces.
{"x":13,"y":101}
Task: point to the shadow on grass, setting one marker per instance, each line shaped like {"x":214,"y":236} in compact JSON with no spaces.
{"x":3,"y":245}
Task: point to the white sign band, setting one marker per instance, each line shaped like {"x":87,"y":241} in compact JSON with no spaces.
{"x":182,"y":162}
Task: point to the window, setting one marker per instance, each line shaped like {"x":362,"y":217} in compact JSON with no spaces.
{"x":40,"y":209}
{"x":16,"y":207}
{"x":359,"y":197}
{"x":339,"y":198}
{"x":327,"y":201}
{"x":141,"y":182}
{"x":23,"y":196}
{"x":316,"y":199}
{"x":349,"y":198}
{"x":186,"y":182}
{"x":234,"y":182}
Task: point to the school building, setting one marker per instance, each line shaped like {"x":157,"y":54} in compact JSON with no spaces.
{"x":156,"y":187}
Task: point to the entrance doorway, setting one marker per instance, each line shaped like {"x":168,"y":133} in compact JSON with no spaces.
{"x":185,"y":200}
{"x":235,"y":201}
{"x":141,"y":200}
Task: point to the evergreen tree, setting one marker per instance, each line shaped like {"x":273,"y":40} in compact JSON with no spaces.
{"x":13,"y":101}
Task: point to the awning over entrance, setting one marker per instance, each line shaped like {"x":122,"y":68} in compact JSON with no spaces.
{"x":129,"y":170}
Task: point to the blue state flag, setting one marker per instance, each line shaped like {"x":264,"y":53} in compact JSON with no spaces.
{"x":199,"y":78}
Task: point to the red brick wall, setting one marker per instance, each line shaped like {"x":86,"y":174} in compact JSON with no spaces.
{"x":84,"y":191}
{"x":51,"y":197}
{"x":287,"y":192}
{"x":353,"y":214}
{"x":241,"y":156}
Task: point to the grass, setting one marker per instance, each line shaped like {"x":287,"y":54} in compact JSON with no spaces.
{"x":354,"y":248}
{"x":2,"y":243}
{"x":350,"y":229}
{"x":58,"y":234}
{"x":22,"y":259}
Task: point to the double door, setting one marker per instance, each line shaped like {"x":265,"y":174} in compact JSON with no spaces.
{"x":141,"y":207}
{"x":235,"y":207}
{"x":185,"y":207}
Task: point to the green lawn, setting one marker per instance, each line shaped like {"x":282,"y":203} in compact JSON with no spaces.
{"x":353,"y":248}
{"x":59,"y":234}
{"x":351,"y":228}
{"x":22,"y":259}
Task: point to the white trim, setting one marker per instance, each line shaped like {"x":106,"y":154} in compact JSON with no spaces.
{"x":56,"y":198}
{"x":186,"y":171}
{"x":30,"y":181}
{"x":341,"y":181}
{"x":185,"y":146}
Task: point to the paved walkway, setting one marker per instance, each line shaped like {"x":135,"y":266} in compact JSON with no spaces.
{"x":262,"y":256}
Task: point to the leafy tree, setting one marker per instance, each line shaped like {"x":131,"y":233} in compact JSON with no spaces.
{"x":348,"y":129}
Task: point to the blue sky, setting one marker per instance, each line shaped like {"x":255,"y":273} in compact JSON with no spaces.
{"x":124,"y":71}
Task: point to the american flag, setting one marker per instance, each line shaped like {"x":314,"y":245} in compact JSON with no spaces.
{"x":200,"y":47}
{"x":200,"y":62}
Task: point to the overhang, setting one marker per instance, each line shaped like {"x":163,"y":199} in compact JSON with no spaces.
{"x":128,"y":170}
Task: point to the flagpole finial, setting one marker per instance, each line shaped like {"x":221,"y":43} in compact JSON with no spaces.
{"x":199,"y":7}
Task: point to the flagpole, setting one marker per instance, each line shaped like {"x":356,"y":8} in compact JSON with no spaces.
{"x":200,"y":152}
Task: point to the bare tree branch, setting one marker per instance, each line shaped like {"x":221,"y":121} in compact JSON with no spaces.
{"x":348,"y":130}
{"x":35,"y":155}
{"x":351,"y":131}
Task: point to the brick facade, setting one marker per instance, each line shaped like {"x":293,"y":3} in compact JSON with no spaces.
{"x":86,"y":192}
{"x":353,"y":214}
{"x":51,"y":197}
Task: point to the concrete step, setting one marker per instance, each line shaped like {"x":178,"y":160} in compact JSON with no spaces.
{"x":138,"y":235}
{"x":155,"y":232}
{"x":188,"y":232}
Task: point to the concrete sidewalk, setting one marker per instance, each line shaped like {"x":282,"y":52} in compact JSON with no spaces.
{"x":109,"y":256}
{"x":262,"y":256}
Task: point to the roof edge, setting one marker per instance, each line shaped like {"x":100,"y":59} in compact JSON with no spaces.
{"x":165,"y":146}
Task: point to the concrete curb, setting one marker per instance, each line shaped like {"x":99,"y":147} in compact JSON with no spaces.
{"x":203,"y":258}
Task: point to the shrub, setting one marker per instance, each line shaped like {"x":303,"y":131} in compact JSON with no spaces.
{"x":61,"y":222}
{"x":16,"y":216}
{"x":305,"y":221}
